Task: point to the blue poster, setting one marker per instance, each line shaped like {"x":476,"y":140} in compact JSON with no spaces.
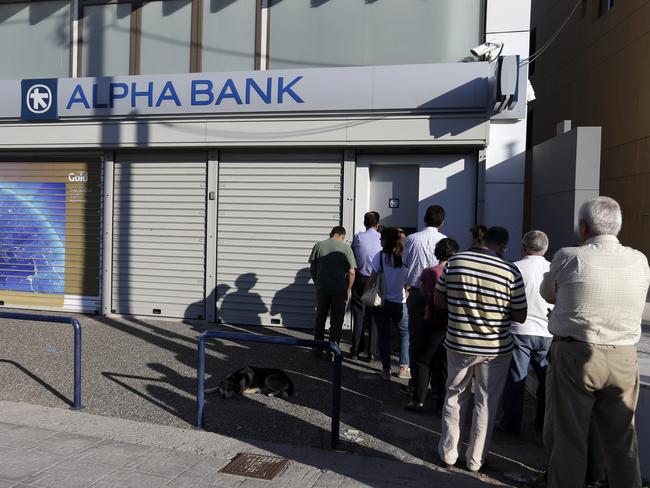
{"x":32,"y":237}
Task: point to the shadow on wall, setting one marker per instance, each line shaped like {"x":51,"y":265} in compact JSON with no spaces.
{"x":241,"y":306}
{"x":283,"y":301}
{"x":473,"y":94}
{"x":457,"y":195}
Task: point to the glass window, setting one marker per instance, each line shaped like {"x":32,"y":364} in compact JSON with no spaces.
{"x":35,"y":39}
{"x":228,"y":35}
{"x":106,"y":40}
{"x":166,"y":37}
{"x":358,"y":32}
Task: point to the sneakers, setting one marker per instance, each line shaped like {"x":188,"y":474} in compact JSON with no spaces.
{"x":322,"y":354}
{"x":385,"y":375}
{"x":404,"y":372}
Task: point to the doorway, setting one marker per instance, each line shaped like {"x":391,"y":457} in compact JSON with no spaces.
{"x":394,"y":194}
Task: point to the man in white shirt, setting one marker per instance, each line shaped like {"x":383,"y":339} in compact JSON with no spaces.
{"x":599,"y":291}
{"x":419,"y":254}
{"x":366,"y":246}
{"x":531,"y":339}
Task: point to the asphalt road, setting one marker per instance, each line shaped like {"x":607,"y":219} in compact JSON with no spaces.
{"x":145,"y":370}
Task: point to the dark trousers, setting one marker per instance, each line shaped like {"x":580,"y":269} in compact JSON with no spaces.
{"x":431,"y":362}
{"x":364,"y":331}
{"x":415,"y":303}
{"x":334,"y":305}
{"x":528,"y":350}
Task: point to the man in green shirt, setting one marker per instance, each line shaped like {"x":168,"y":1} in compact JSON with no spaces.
{"x":332,"y":268}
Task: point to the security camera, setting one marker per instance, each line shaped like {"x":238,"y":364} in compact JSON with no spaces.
{"x":489,"y":50}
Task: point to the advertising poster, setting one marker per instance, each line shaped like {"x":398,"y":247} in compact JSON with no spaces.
{"x":49,"y":233}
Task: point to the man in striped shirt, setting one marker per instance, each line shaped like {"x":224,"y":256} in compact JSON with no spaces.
{"x":482,"y":293}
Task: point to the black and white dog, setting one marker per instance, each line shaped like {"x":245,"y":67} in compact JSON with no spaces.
{"x":251,"y":379}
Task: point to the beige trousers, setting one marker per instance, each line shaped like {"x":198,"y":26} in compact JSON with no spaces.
{"x":584,"y":380}
{"x":489,"y":374}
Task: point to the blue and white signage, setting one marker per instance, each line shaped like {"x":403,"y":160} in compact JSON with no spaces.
{"x":39,"y":99}
{"x":414,"y":88}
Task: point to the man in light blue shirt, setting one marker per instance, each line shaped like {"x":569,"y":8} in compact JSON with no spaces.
{"x":419,"y":255}
{"x":365,"y":245}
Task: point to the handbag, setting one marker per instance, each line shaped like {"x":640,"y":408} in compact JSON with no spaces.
{"x":373,"y":295}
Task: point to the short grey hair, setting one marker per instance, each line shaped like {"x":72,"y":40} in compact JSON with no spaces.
{"x":602,"y":215}
{"x":535,"y":242}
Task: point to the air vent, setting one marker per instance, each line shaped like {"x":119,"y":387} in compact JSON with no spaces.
{"x":256,"y":466}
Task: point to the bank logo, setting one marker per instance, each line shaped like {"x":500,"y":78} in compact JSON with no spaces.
{"x":39,"y":99}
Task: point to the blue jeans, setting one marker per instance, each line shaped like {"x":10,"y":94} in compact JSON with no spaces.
{"x":398,"y":314}
{"x":416,"y":304}
{"x":529,"y":350}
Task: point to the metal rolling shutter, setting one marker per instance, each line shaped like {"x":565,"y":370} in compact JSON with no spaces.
{"x":50,"y":235}
{"x":159,"y":236}
{"x":272,"y":208}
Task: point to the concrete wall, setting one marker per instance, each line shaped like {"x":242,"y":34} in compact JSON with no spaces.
{"x":597,"y":73}
{"x":565,"y":173}
{"x":503,"y":193}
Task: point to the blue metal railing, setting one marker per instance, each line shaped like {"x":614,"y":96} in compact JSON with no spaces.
{"x":284,"y":341}
{"x":77,"y":344}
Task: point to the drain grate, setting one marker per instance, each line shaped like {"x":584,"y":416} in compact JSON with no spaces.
{"x":255,"y":466}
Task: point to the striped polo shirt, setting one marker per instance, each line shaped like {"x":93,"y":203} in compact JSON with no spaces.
{"x":481,"y":290}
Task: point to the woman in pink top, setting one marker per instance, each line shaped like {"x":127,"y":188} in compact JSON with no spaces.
{"x":430,"y":356}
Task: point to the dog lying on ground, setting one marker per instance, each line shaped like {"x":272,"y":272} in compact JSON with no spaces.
{"x":250,"y":379}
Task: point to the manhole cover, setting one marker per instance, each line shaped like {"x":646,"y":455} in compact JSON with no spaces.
{"x":255,"y":466}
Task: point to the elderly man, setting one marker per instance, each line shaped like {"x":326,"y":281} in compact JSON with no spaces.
{"x":482,"y":293}
{"x":599,"y":290}
{"x":531,"y":339}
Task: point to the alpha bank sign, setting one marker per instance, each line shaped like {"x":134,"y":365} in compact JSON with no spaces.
{"x":453,"y":86}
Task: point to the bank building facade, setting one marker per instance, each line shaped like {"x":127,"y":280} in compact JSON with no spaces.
{"x":179,"y":158}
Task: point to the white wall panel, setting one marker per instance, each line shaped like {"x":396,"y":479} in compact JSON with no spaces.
{"x":339,"y":131}
{"x":506,"y":158}
{"x":507,"y":15}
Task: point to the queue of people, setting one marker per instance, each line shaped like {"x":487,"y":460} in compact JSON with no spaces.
{"x":472,"y":321}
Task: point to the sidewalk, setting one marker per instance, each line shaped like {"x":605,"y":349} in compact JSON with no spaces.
{"x":57,"y":448}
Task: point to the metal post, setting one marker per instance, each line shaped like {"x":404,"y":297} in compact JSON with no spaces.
{"x":77,"y":364}
{"x":336,"y":400}
{"x":76,"y":403}
{"x":200,"y":387}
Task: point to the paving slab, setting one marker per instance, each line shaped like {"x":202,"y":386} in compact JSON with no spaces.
{"x":104,"y":452}
{"x":19,"y":465}
{"x":70,"y":473}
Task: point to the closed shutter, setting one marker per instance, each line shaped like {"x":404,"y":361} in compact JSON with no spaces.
{"x":50,"y":224}
{"x":159,"y":236}
{"x":272,"y":208}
